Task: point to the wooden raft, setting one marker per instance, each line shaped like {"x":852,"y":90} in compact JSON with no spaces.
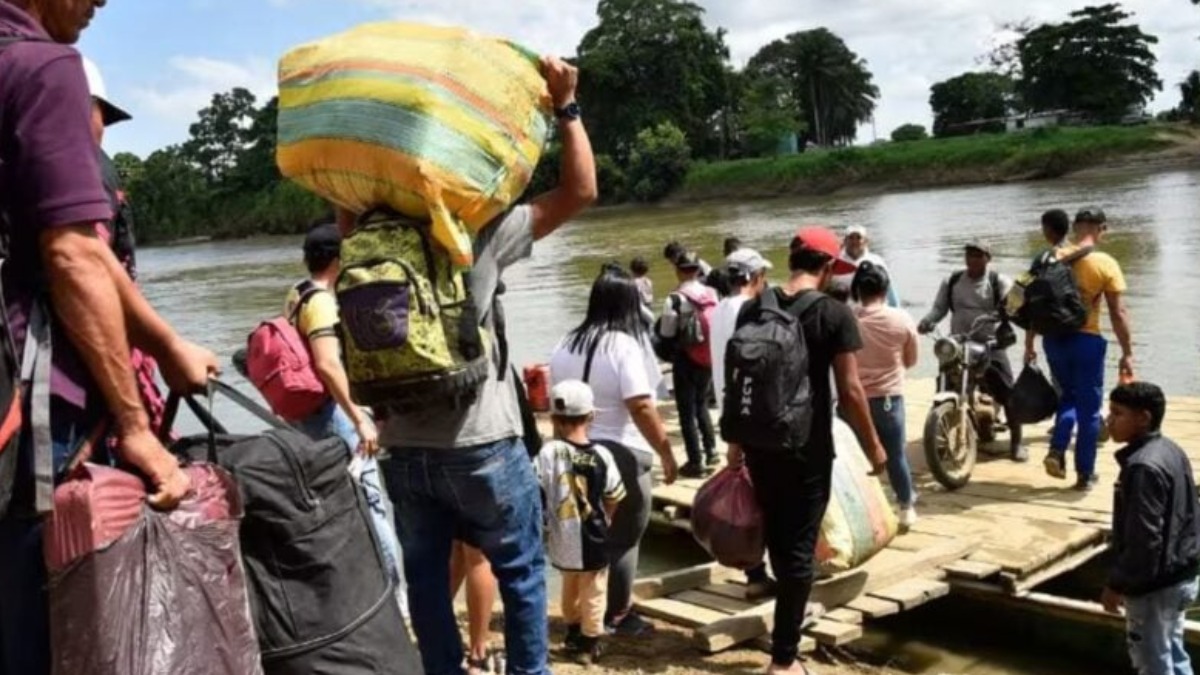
{"x":1010,"y":530}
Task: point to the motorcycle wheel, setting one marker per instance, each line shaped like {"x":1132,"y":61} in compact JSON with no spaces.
{"x":951,"y":462}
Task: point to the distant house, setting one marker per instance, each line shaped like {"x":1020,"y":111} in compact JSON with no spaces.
{"x":1041,"y":120}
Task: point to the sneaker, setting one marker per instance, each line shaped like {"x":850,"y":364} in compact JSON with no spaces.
{"x":1087,"y":483}
{"x":908,"y":518}
{"x":574,"y":635}
{"x":588,"y":652}
{"x":630,"y":625}
{"x":1056,"y":465}
{"x":712,"y":460}
{"x":1020,"y":454}
{"x":692,"y":470}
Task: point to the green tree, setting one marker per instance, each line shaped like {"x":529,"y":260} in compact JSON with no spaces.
{"x":968,"y":98}
{"x":650,"y":62}
{"x":171,"y":196}
{"x":1096,"y":63}
{"x":769,"y":114}
{"x":256,"y":168}
{"x":221,"y":134}
{"x":658,"y":162}
{"x":831,"y":85}
{"x":1189,"y":90}
{"x":909,"y":132}
{"x":129,"y":166}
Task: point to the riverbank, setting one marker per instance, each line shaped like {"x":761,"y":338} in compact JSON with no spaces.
{"x":983,"y":159}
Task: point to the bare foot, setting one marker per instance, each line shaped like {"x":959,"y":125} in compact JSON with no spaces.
{"x":796,"y":668}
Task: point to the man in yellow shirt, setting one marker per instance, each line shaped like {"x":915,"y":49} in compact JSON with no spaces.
{"x":1077,"y":359}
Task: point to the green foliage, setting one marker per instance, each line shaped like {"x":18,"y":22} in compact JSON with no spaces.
{"x":909,"y":132}
{"x":1047,"y":153}
{"x":769,"y":114}
{"x":830,"y":85}
{"x":649,"y":62}
{"x":1096,"y":63}
{"x":970,"y":97}
{"x":611,"y":179}
{"x":221,"y":133}
{"x":1189,"y":90}
{"x":658,"y":163}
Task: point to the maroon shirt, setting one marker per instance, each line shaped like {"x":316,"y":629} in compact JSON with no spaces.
{"x":49,"y":174}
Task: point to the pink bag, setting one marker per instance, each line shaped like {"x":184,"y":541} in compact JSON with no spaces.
{"x":727,"y":521}
{"x":280,"y":366}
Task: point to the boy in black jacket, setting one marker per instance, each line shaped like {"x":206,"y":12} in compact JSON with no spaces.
{"x":1156,"y":533}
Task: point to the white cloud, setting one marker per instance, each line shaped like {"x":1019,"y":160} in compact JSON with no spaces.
{"x":192,"y":81}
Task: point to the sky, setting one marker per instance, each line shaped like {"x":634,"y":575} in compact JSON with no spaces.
{"x":164,"y":59}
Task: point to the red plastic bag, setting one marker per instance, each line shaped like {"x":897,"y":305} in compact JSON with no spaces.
{"x":727,"y":521}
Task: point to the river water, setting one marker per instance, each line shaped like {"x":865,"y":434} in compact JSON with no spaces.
{"x":215,"y":293}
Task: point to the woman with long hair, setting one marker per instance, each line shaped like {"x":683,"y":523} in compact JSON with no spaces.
{"x":611,"y":352}
{"x":890,"y":345}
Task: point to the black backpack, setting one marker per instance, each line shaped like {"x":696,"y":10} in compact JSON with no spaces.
{"x":768,"y":399}
{"x":320,"y":595}
{"x":1051,"y":303}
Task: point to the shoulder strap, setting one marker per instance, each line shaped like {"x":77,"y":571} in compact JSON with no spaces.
{"x":997,"y":296}
{"x":951,"y":283}
{"x":35,"y":374}
{"x":1078,"y":255}
{"x":591,"y":356}
{"x":308,"y":290}
{"x":807,"y":302}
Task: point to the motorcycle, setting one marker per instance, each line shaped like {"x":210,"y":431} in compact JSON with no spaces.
{"x":962,"y":415}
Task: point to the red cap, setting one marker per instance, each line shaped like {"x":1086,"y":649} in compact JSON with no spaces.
{"x":823,"y":240}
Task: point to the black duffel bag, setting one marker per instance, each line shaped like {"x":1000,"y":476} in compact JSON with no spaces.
{"x":1033,"y":397}
{"x":320,"y":594}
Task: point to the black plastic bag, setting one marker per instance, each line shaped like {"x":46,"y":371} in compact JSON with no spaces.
{"x":1033,"y":398}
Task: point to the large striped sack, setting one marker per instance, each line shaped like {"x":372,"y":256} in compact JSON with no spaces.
{"x":440,"y":124}
{"x":859,"y":521}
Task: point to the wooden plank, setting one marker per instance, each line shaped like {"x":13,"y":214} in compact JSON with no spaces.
{"x":970,"y":569}
{"x":913,"y":593}
{"x":727,"y":589}
{"x":678,"y":580}
{"x":679,"y":613}
{"x":1017,"y":585}
{"x":845,"y":615}
{"x":916,"y":541}
{"x":874,"y":608}
{"x":834,"y":634}
{"x":712,"y":601}
{"x":730,"y":631}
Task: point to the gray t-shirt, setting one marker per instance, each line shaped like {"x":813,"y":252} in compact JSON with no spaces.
{"x":495,"y":415}
{"x":972,"y":298}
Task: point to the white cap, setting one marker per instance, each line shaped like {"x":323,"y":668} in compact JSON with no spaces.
{"x":572,"y":398}
{"x":112,"y":114}
{"x":747,"y":261}
{"x":856,"y":229}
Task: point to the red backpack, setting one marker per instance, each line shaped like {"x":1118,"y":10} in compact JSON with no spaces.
{"x":280,"y":365}
{"x":695,"y":329}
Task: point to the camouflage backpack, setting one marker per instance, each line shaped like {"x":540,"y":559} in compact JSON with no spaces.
{"x":411,"y":333}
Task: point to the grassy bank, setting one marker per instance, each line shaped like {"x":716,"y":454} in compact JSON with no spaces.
{"x":1045,"y":153}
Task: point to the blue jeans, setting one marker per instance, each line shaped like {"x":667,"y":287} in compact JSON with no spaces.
{"x":1077,"y":362}
{"x":1155,"y":624}
{"x":24,"y":604}
{"x":333,"y":421}
{"x":489,"y":497}
{"x":887,"y":412}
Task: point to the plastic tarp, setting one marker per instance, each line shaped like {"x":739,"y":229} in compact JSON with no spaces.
{"x":437,"y":123}
{"x":139,"y":592}
{"x":1034,"y":398}
{"x":727,"y":520}
{"x":859,"y":521}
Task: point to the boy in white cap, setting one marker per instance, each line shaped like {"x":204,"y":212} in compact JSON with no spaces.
{"x":582,"y":488}
{"x":855,"y":250}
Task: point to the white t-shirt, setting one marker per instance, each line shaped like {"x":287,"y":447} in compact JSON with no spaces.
{"x":724,"y":323}
{"x":622,"y":369}
{"x":578,"y":484}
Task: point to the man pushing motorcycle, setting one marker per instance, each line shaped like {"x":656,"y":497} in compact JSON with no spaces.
{"x":967,"y":295}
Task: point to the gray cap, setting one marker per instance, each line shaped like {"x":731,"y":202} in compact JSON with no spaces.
{"x":747,"y":261}
{"x":979,"y":245}
{"x":572,"y":398}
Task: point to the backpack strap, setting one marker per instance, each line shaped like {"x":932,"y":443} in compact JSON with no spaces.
{"x":997,"y":296}
{"x":35,"y":373}
{"x":591,"y":356}
{"x":806,"y":302}
{"x":1078,"y":255}
{"x":951,"y":283}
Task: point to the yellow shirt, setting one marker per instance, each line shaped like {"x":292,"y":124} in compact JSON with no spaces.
{"x":318,"y":317}
{"x":1096,"y":274}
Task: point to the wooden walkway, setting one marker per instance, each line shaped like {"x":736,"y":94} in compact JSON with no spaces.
{"x":1010,"y":530}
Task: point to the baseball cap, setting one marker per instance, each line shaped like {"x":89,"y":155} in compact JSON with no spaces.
{"x":323,"y":238}
{"x":856,"y":230}
{"x":109,"y":112}
{"x":823,"y":240}
{"x":747,"y":261}
{"x":572,"y":398}
{"x":979,"y":245}
{"x":688,"y":260}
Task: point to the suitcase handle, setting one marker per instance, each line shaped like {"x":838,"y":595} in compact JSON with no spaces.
{"x":204,"y":413}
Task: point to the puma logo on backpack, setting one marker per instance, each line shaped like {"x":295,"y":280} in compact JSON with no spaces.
{"x":768,"y":401}
{"x":1047,"y":300}
{"x":411,"y":332}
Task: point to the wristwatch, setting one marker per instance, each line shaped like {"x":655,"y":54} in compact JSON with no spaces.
{"x":568,"y":113}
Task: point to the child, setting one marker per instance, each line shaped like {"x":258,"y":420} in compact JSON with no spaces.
{"x":582,"y":488}
{"x":1156,"y":533}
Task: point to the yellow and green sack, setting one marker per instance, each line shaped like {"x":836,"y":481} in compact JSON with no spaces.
{"x":439,"y":124}
{"x":410,"y":330}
